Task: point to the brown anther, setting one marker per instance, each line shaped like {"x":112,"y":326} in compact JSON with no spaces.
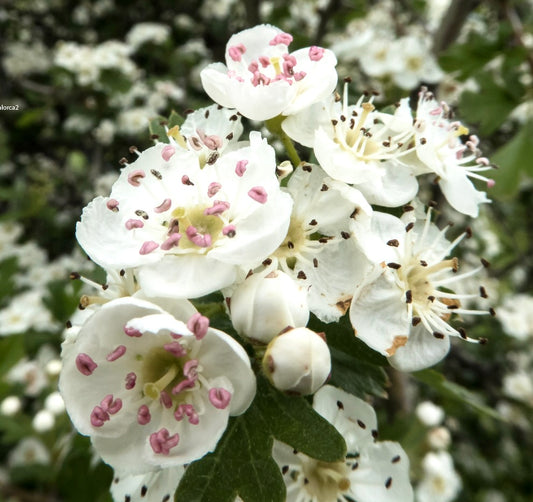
{"x":267,"y":262}
{"x":438,"y":335}
{"x":388,"y":483}
{"x":432,"y":203}
{"x":105,"y":286}
{"x":313,"y":222}
{"x":485,"y":263}
{"x":337,"y":97}
{"x":68,"y":325}
{"x":347,"y":80}
{"x":386,"y":144}
{"x":233,"y":118}
{"x":154,"y":136}
{"x":229,"y":137}
{"x":290,"y":245}
{"x":142,"y":214}
{"x":212,"y":158}
{"x":483,"y":292}
{"x":340,"y":405}
{"x":482,"y":341}
{"x":393,"y":242}
{"x":345,"y":235}
{"x":415,"y":321}
{"x":468,"y":232}
{"x":306,"y":167}
{"x":133,"y":149}
{"x":123,"y":161}
{"x":431,"y":298}
{"x":206,"y":114}
{"x":396,"y":459}
{"x":423,"y":141}
{"x":408,"y":296}
{"x":250,"y":272}
{"x":301,"y":275}
{"x":408,"y":208}
{"x":157,"y":174}
{"x":492,"y":312}
{"x":74,"y":275}
{"x":462,"y":333}
{"x":334,"y":122}
{"x":315,"y":262}
{"x":122,"y":272}
{"x":393,"y":265}
{"x":423,"y":263}
{"x":409,"y":226}
{"x":355,"y":212}
{"x":324,"y":188}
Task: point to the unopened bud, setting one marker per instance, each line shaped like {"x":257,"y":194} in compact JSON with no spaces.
{"x":284,"y":169}
{"x":297,"y":361}
{"x":263,"y":306}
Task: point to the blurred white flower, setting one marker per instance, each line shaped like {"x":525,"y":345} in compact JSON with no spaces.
{"x":142,"y":33}
{"x":10,"y":406}
{"x":43,"y":421}
{"x":104,"y":132}
{"x":516,"y":316}
{"x":27,"y":452}
{"x":519,"y":386}
{"x":429,"y":413}
{"x":54,"y":403}
{"x":440,"y":482}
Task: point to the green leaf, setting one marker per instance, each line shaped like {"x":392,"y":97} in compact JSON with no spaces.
{"x":175,"y":119}
{"x":12,"y":350}
{"x":242,"y":463}
{"x":157,"y":129}
{"x":489,"y":106}
{"x":356,"y":376}
{"x":8,"y":269}
{"x":514,"y":160}
{"x":455,"y":391}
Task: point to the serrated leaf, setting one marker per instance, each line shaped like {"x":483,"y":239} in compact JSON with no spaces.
{"x":157,"y":129}
{"x":514,"y":159}
{"x":455,"y":391}
{"x":292,"y":420}
{"x":355,"y":376}
{"x":242,"y":463}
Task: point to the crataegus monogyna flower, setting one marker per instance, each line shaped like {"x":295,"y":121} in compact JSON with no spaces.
{"x":187,"y":229}
{"x":151,"y":390}
{"x":371,"y":472}
{"x":261,"y":79}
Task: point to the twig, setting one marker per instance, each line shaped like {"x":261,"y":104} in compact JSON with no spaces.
{"x":452,"y":23}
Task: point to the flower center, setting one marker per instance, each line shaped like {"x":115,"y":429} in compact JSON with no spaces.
{"x":294,"y":241}
{"x":326,"y":481}
{"x":161,"y":372}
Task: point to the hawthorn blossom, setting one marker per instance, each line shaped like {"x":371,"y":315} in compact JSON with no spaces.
{"x":372,"y":471}
{"x":319,"y":251}
{"x":150,"y":390}
{"x":402,"y":306}
{"x":261,"y":79}
{"x":185,"y":229}
{"x":440,"y":483}
{"x":439,"y":150}
{"x":206,"y":132}
{"x":156,"y":486}
{"x":353,"y":144}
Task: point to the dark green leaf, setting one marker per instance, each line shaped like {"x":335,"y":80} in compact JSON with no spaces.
{"x":514,"y":160}
{"x":11,"y":350}
{"x":242,"y":462}
{"x":356,"y":376}
{"x":457,"y":392}
{"x":175,"y":119}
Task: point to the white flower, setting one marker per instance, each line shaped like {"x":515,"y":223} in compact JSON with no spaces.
{"x":519,"y":386}
{"x":516,"y":316}
{"x":157,"y":486}
{"x":27,"y":452}
{"x":10,"y":406}
{"x":440,"y":483}
{"x":265,"y":304}
{"x":400,"y":308}
{"x":371,"y":472}
{"x":439,"y":438}
{"x":319,"y":251}
{"x":440,"y":151}
{"x":262,"y":80}
{"x":54,"y":403}
{"x":188,"y":229}
{"x":298,"y":361}
{"x":43,"y":421}
{"x":142,"y":33}
{"x":414,"y":62}
{"x":208,"y":132}
{"x":353,"y":144}
{"x":429,"y":413}
{"x":150,"y":390}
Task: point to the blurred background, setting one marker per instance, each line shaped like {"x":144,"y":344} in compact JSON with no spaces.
{"x":80,"y":82}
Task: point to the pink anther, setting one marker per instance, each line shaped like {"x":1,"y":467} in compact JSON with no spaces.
{"x":219,"y":397}
{"x":135,"y":176}
{"x":198,"y":325}
{"x":85,"y":364}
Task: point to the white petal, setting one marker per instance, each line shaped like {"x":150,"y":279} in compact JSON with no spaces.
{"x":151,"y":486}
{"x":379,"y":314}
{"x":421,"y":351}
{"x":354,"y":419}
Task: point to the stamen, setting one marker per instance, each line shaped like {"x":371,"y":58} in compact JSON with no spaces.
{"x":259,"y":194}
{"x":135,"y":176}
{"x":116,"y":354}
{"x":219,"y":397}
{"x":162,"y":442}
{"x":167,"y":152}
{"x":198,"y":325}
{"x":85,"y":364}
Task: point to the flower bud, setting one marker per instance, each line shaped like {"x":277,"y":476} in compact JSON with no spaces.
{"x":297,"y":361}
{"x":263,"y":306}
{"x":439,"y":438}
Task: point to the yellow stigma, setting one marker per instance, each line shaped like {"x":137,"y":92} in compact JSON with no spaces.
{"x":153,"y":389}
{"x":276,"y":64}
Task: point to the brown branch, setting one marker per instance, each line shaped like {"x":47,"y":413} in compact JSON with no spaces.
{"x":452,"y":23}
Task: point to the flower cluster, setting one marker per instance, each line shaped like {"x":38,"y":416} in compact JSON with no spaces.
{"x":210,"y":209}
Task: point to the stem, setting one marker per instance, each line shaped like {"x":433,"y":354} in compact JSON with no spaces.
{"x":452,"y":23}
{"x":274,"y":126}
